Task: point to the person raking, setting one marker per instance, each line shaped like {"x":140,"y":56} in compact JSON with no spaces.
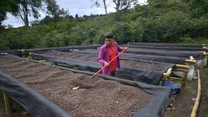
{"x":107,"y":52}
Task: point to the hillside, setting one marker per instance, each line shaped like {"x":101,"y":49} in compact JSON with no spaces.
{"x":158,"y":21}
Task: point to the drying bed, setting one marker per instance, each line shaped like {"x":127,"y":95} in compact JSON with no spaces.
{"x":64,"y":49}
{"x":194,"y":48}
{"x":198,"y":55}
{"x":96,"y":98}
{"x":61,"y":86}
{"x":146,"y":74}
{"x":124,"y":63}
{"x":145,"y":57}
{"x":165,"y":44}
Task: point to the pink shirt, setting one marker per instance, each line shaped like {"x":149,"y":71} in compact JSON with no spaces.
{"x":104,"y":57}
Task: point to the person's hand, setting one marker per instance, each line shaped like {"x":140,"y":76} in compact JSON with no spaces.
{"x":106,"y":64}
{"x":125,"y":48}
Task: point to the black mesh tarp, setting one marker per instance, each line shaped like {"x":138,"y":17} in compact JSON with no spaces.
{"x":39,"y":106}
{"x":18,"y":52}
{"x":167,"y":59}
{"x":169,"y":48}
{"x":144,"y":75}
{"x":12,"y":52}
{"x":63,"y":49}
{"x":185,"y":54}
{"x":185,"y":47}
{"x":165,"y":44}
{"x":34,"y":103}
{"x":125,"y":58}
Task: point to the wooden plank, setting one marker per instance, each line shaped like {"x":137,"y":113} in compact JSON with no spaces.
{"x":182,"y":66}
{"x":178,"y":69}
{"x":175,"y":78}
{"x":8,"y":104}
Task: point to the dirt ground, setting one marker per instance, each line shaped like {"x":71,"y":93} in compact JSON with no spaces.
{"x":184,"y":101}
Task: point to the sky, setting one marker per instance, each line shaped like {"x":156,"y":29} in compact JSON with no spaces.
{"x":80,"y":7}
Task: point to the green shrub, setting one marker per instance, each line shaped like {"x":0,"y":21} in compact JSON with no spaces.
{"x":188,"y":41}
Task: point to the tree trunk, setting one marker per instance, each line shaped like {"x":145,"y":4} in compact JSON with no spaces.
{"x":24,"y":16}
{"x":117,"y":4}
{"x":104,"y":2}
{"x":26,"y":20}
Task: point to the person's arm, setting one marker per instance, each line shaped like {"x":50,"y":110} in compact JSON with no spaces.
{"x":101,"y":57}
{"x":120,"y":48}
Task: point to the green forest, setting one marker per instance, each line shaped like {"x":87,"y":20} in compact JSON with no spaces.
{"x":167,"y":21}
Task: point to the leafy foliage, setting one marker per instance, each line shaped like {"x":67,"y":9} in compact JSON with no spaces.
{"x":157,"y":21}
{"x":6,"y":6}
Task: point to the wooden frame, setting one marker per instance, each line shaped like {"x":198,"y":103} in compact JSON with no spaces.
{"x":8,"y":104}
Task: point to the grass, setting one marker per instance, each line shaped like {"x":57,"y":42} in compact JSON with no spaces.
{"x":202,"y":40}
{"x":197,"y":40}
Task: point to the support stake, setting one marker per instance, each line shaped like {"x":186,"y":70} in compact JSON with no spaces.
{"x":8,"y":104}
{"x":184,"y":79}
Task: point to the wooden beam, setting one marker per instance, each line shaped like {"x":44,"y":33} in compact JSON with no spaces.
{"x":175,"y":78}
{"x":4,"y":53}
{"x":167,"y":74}
{"x":23,"y":52}
{"x":190,"y":61}
{"x":179,"y":69}
{"x":182,"y":66}
{"x":8,"y":104}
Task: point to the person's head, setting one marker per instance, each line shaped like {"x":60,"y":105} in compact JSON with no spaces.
{"x":109,"y":38}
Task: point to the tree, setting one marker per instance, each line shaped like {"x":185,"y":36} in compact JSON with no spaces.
{"x":97,"y":3}
{"x":198,"y":8}
{"x":76,"y":16}
{"x":6,"y":6}
{"x":54,"y":11}
{"x":46,"y":20}
{"x":123,"y":32}
{"x":122,"y":5}
{"x":26,"y":8}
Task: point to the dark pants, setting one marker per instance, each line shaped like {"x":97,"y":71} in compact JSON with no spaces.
{"x":113,"y":73}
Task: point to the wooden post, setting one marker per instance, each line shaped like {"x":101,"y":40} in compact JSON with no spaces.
{"x":183,"y":84}
{"x":207,"y":62}
{"x":206,"y":55}
{"x":8,"y":104}
{"x":191,"y":58}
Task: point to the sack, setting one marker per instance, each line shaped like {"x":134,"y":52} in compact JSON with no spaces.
{"x":168,"y":83}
